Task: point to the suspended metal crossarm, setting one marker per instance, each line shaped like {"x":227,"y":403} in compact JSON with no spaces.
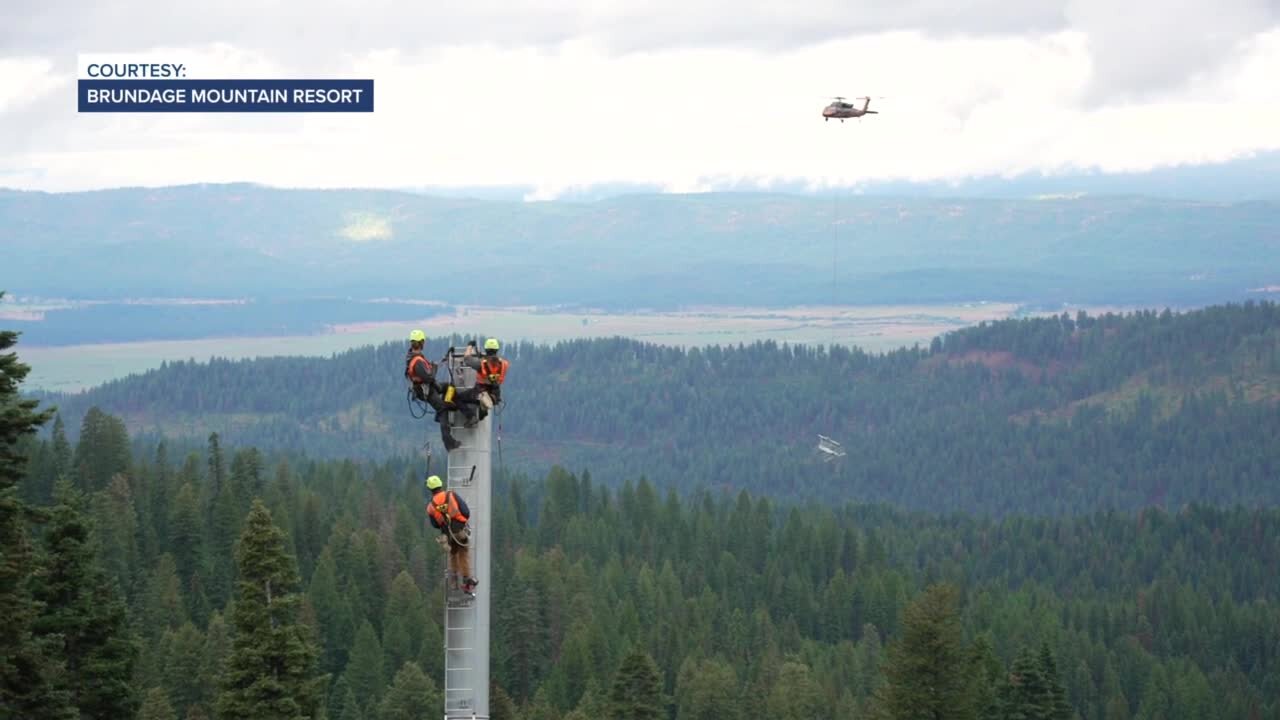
{"x":830,"y":448}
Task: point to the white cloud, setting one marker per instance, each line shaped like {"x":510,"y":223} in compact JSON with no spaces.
{"x":25,"y":81}
{"x":560,"y":97}
{"x":323,"y":27}
{"x":1141,"y":48}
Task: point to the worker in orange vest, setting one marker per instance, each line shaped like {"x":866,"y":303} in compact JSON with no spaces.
{"x":421,"y":372}
{"x":491,"y":372}
{"x":450,"y":515}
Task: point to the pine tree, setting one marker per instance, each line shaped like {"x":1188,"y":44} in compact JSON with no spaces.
{"x":637,"y":689}
{"x":795,"y":695}
{"x":927,"y":673}
{"x":162,"y":604}
{"x":986,"y":671}
{"x":102,"y":451}
{"x":404,"y":622}
{"x":115,"y":520}
{"x":707,"y":690}
{"x":183,"y":651}
{"x":246,"y":478}
{"x":217,"y":471}
{"x":63,"y":454}
{"x":156,"y":706}
{"x":539,"y":708}
{"x":412,"y":694}
{"x":84,"y":613}
{"x":159,"y":496}
{"x":364,"y":669}
{"x":1023,"y":694}
{"x":501,"y":707}
{"x":1055,"y":702}
{"x":271,"y":671}
{"x":186,"y":531}
{"x":219,"y":575}
{"x":26,"y":669}
{"x":217,"y":647}
{"x":525,"y":642}
{"x":342,"y":703}
{"x":333,"y":612}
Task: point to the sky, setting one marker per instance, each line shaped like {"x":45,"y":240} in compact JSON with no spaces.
{"x":685,"y":95}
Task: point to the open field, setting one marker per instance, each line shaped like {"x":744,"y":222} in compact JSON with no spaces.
{"x":874,"y":328}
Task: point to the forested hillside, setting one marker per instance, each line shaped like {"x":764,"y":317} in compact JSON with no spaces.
{"x":706,"y":605}
{"x":1057,"y":414}
{"x":140,"y":580}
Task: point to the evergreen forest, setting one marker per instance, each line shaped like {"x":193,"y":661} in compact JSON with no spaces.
{"x":1057,"y":414}
{"x":1063,"y":517}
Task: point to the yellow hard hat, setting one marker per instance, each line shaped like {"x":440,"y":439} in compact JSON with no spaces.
{"x":418,"y":336}
{"x":434,"y":483}
{"x":491,"y":344}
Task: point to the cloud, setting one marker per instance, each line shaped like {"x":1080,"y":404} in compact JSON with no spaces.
{"x":1153,"y":47}
{"x":298,"y":31}
{"x":680,"y":95}
{"x":1138,"y":48}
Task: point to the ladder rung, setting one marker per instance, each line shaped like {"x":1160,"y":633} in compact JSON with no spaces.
{"x":456,"y":669}
{"x":458,"y":649}
{"x":459,"y":628}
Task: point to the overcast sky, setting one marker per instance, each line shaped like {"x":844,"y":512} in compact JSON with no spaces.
{"x":680,"y":93}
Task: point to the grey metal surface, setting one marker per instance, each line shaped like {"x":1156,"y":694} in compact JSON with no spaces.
{"x":466,"y":680}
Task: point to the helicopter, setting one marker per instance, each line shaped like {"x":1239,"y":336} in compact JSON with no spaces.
{"x":840,"y":109}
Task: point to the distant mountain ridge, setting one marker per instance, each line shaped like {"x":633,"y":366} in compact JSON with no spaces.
{"x":1244,"y":179}
{"x":634,"y":251}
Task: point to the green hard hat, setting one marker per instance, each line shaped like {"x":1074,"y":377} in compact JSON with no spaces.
{"x":491,"y":344}
{"x":434,"y":482}
{"x":418,"y":336}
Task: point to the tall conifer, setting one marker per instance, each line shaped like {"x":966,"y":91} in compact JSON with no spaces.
{"x":271,"y":672}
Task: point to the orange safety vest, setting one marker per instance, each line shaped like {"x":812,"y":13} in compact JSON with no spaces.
{"x":413,"y":361}
{"x":492,"y":372}
{"x":445,"y":504}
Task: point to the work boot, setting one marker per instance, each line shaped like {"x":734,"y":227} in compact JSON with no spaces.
{"x":469,"y":586}
{"x":452,"y":444}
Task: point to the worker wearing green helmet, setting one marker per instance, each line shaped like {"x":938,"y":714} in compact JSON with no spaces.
{"x":491,"y":372}
{"x":421,"y":374}
{"x":450,"y":515}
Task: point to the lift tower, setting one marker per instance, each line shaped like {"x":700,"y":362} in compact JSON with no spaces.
{"x":466,"y":618}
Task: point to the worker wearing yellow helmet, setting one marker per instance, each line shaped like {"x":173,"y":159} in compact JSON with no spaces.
{"x":493,"y":369}
{"x":417,"y":368}
{"x":491,"y":372}
{"x":450,"y":515}
{"x":421,"y":374}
